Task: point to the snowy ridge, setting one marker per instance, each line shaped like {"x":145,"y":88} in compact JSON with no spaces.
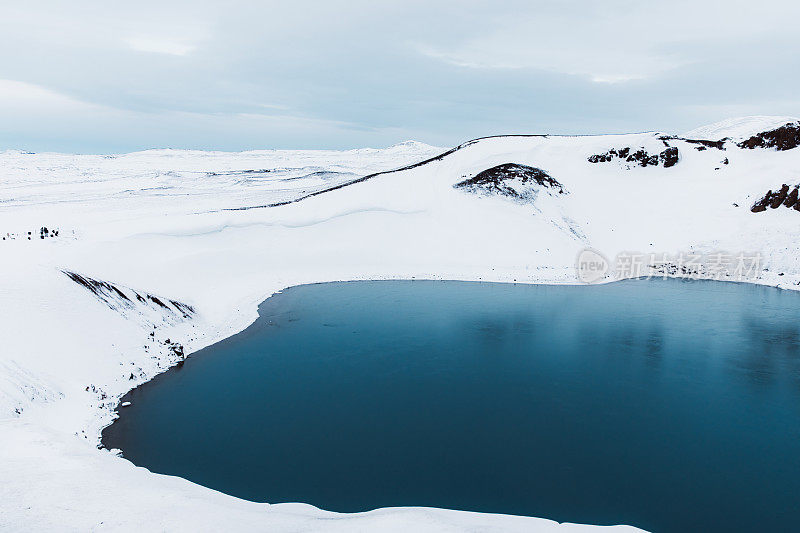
{"x":247,"y":178}
{"x":738,"y":128}
{"x":160,"y":224}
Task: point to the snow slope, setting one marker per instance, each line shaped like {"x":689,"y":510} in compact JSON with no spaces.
{"x":175,"y":256}
{"x":738,"y":128}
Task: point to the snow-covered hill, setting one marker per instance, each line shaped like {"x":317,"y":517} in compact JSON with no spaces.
{"x":148,"y":257}
{"x":738,"y":128}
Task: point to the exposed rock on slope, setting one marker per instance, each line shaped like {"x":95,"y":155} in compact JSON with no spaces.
{"x":125,"y":300}
{"x":667,"y":158}
{"x":784,"y":138}
{"x":779,"y":198}
{"x":520,"y":182}
{"x":701,"y":143}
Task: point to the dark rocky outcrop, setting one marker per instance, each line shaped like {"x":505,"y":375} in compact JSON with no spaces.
{"x":157,"y":301}
{"x":701,"y":143}
{"x":782,"y":197}
{"x":603,"y":158}
{"x":511,"y":179}
{"x":791,"y":199}
{"x":779,"y":197}
{"x":643,"y":158}
{"x":784,"y":138}
{"x":667,"y":158}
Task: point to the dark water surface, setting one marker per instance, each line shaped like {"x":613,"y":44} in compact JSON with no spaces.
{"x":668,"y":405}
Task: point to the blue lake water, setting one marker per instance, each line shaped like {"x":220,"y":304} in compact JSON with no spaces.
{"x":664,"y":404}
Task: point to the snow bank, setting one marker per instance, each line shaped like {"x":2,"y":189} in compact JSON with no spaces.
{"x":159,"y":224}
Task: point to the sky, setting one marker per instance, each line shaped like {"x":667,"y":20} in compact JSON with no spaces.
{"x":111,"y":76}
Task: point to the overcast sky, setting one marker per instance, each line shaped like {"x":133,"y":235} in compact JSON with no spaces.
{"x":108,"y":76}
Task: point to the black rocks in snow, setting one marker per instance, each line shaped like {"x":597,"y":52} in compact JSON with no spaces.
{"x":784,"y":138}
{"x":176,"y":349}
{"x":622,"y":153}
{"x":643,"y":158}
{"x":703,"y":144}
{"x":44,"y":233}
{"x":791,"y":199}
{"x":186,"y":309}
{"x":101,"y":289}
{"x":778,"y":199}
{"x":520,"y":182}
{"x":782,"y":197}
{"x":667,"y":158}
{"x":123,"y":299}
{"x":157,"y":301}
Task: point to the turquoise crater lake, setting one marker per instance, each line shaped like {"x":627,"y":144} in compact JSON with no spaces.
{"x":663,"y":404}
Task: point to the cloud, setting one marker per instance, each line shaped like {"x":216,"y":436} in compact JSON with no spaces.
{"x":160,"y":46}
{"x":343,"y":73}
{"x":600,"y":46}
{"x":612,"y":42}
{"x":617,"y":78}
{"x":21,"y":98}
{"x":44,"y":119}
{"x":596,"y":65}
